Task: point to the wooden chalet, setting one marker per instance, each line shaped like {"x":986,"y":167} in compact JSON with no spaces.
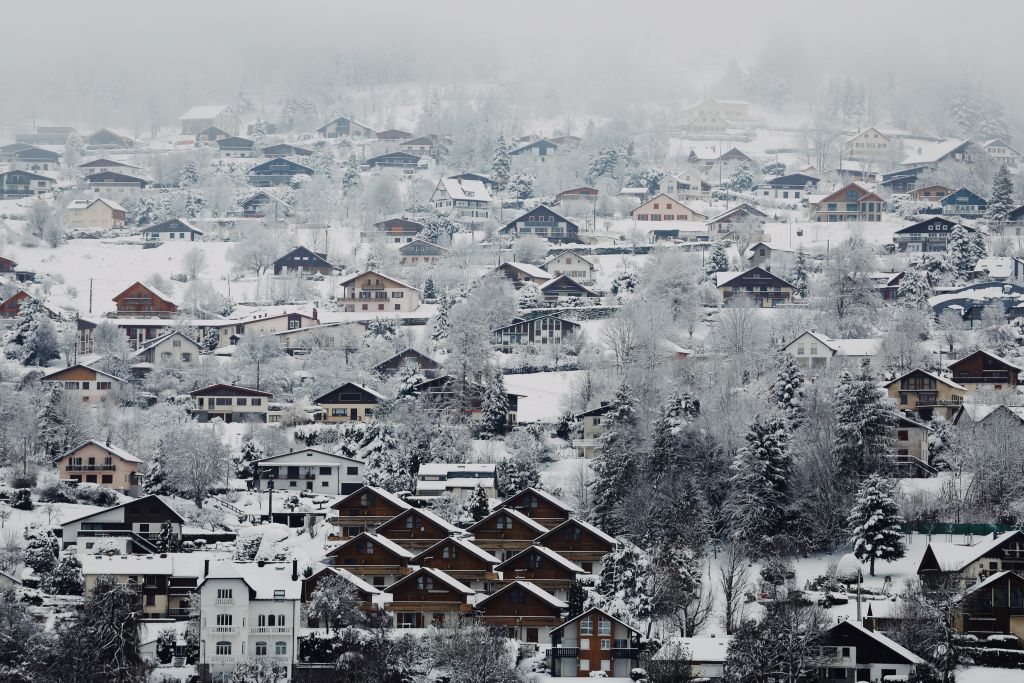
{"x":545,"y":223}
{"x":230,"y":403}
{"x":108,"y":181}
{"x":211,"y":134}
{"x":144,"y":301}
{"x":863,"y":655}
{"x":984,"y":368}
{"x":930,"y":193}
{"x":564,"y":287}
{"x":398,"y":230}
{"x":521,"y":273}
{"x":968,"y":564}
{"x":136,"y":524}
{"x":964,"y":203}
{"x":425,"y":365}
{"x":926,"y":394}
{"x":349,"y":402}
{"x":285,"y":149}
{"x":525,"y":610}
{"x":429,"y":597}
{"x":506,"y":532}
{"x":303,"y":261}
{"x":765,"y":289}
{"x":441,"y":393}
{"x":544,"y":567}
{"x":576,"y":194}
{"x":593,"y":641}
{"x":373,"y":291}
{"x":105,"y":138}
{"x":394,"y":134}
{"x":262,"y":205}
{"x":538,"y":505}
{"x":930,"y":235}
{"x":416,"y":529}
{"x":993,"y":607}
{"x":16,"y":184}
{"x":581,"y":543}
{"x":380,"y":560}
{"x":421,"y":253}
{"x":401,"y":160}
{"x":369,"y":596}
{"x":171,"y":230}
{"x":539,"y":331}
{"x":276,"y":171}
{"x":342,"y":126}
{"x":461,"y":559}
{"x":850,"y":203}
{"x":365,"y":510}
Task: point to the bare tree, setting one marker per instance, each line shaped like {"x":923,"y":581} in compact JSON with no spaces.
{"x":733,"y":584}
{"x":194,"y":262}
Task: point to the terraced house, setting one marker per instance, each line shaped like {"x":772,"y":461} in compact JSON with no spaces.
{"x":850,"y":203}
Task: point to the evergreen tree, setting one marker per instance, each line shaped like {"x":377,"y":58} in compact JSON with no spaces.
{"x":615,"y":464}
{"x":717,"y":261}
{"x":189,"y":176}
{"x":250,"y":452}
{"x":429,"y":289}
{"x":515,"y":473}
{"x":960,"y":253}
{"x":350,"y":173}
{"x":501,"y":163}
{"x":914,"y":290}
{"x":51,"y":421}
{"x":625,"y":583}
{"x":577,"y":599}
{"x":865,"y":417}
{"x":876,"y":523}
{"x":603,"y":164}
{"x":788,"y":389}
{"x":66,"y":578}
{"x":40,"y":550}
{"x":33,"y":341}
{"x":384,"y":464}
{"x":760,"y":487}
{"x":1001,"y":202}
{"x":166,"y":542}
{"x":741,"y":179}
{"x":494,"y":411}
{"x":977,"y":247}
{"x":478,"y":506}
{"x":441,"y":323}
{"x":801,"y":274}
{"x":166,"y":641}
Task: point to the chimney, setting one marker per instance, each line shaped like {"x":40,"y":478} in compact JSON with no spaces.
{"x":295,"y":570}
{"x":316,"y":315}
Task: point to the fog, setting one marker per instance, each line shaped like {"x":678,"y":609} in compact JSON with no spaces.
{"x":133,"y":65}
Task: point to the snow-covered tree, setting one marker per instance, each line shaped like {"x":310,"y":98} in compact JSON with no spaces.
{"x":66,"y":578}
{"x":51,"y":421}
{"x":788,"y":388}
{"x":914,"y":290}
{"x":1001,"y":202}
{"x":189,"y":176}
{"x":741,"y":179}
{"x":716,"y":262}
{"x":960,"y":253}
{"x":41,"y":550}
{"x":515,"y":473}
{"x":335,"y":603}
{"x":759,"y":487}
{"x":501,"y":163}
{"x":198,"y":462}
{"x":251,"y":451}
{"x":385,"y":467}
{"x":615,"y":463}
{"x":441,"y":324}
{"x":478,"y":504}
{"x":494,"y":410}
{"x":624,"y":585}
{"x":865,"y":417}
{"x":876,"y":523}
{"x":625,"y":284}
{"x":604,"y":164}
{"x":429,"y":289}
{"x":33,"y":341}
{"x":801,"y":274}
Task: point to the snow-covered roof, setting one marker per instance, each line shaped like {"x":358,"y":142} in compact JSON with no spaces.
{"x":594,"y":610}
{"x":517,"y":515}
{"x":381,"y":493}
{"x":567,"y":251}
{"x":167,"y":564}
{"x":584,"y":525}
{"x":440,"y":576}
{"x":990,"y":354}
{"x":400,"y":283}
{"x":540,"y":493}
{"x":529,"y":269}
{"x":884,"y":641}
{"x":423,"y":512}
{"x":568,"y":565}
{"x":109,"y":448}
{"x":204,"y":111}
{"x":121,"y":505}
{"x":435,"y":469}
{"x":321,"y":458}
{"x":531,"y":587}
{"x":698,"y":649}
{"x":726,"y":276}
{"x":163,"y":337}
{"x":997,"y":266}
{"x":356,"y":581}
{"x":382,"y":541}
{"x":80,"y":365}
{"x":952,"y":557}
{"x":468,"y":190}
{"x":994,"y":578}
{"x":266,"y":581}
{"x":82,"y":204}
{"x":468,"y":546}
{"x":930,"y":152}
{"x":945,"y":380}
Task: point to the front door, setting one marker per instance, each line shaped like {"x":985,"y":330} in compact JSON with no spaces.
{"x":532,"y":635}
{"x":354,"y":414}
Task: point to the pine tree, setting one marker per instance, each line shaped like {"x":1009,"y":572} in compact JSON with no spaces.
{"x":801,"y":274}
{"x":603,"y":164}
{"x":429,"y":289}
{"x":960,"y":252}
{"x":66,"y":578}
{"x":441,"y":322}
{"x":788,"y":389}
{"x":189,"y":176}
{"x":384,"y":464}
{"x":625,"y":582}
{"x":250,"y":452}
{"x":166,"y":542}
{"x":615,"y":464}
{"x":501,"y":163}
{"x":1001,"y":202}
{"x":515,"y":473}
{"x":876,"y":523}
{"x":865,"y":417}
{"x":478,"y":506}
{"x":742,"y":179}
{"x":40,"y":550}
{"x":914,"y":290}
{"x":350,"y":173}
{"x":494,"y":411}
{"x":51,"y":423}
{"x":760,"y":487}
{"x":577,"y":599}
{"x":33,"y":341}
{"x":717,"y":261}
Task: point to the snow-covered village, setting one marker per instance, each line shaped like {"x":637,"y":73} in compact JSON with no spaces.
{"x":456,"y":343}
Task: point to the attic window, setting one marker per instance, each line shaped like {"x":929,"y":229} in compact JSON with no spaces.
{"x":279,"y":594}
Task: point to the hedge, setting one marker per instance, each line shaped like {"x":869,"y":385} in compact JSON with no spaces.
{"x":993,"y":657}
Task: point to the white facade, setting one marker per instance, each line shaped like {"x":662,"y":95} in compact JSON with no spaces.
{"x":459,"y":480}
{"x":248,"y":610}
{"x":310,"y":470}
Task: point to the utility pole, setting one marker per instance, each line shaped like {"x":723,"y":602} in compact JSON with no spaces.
{"x":90,"y":295}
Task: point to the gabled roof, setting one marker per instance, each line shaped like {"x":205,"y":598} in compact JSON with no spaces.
{"x":160,"y":499}
{"x":562,"y":279}
{"x":540,"y":493}
{"x":929,"y":153}
{"x":204,"y":111}
{"x":82,"y":204}
{"x":304,"y":251}
{"x":540,"y":142}
{"x":381,"y":493}
{"x":563,"y":253}
{"x":572,"y":521}
{"x":235,"y":141}
{"x":962,"y":190}
{"x":595,"y":610}
{"x":423,"y":140}
{"x":31,"y":175}
{"x":262,"y":193}
{"x":325,"y":456}
{"x":265,"y":580}
{"x":439,"y":575}
{"x":344,"y":118}
{"x":526,"y":268}
{"x":661,"y":196}
{"x":59,"y":371}
{"x":395,"y":280}
{"x":109,"y":448}
{"x":742,"y":208}
{"x":862,"y":194}
{"x":404,"y":352}
{"x":356,"y":581}
{"x":947,"y":382}
{"x":884,"y":641}
{"x":722,"y":279}
{"x":539,"y":209}
{"x":382,"y":541}
{"x":394,"y":155}
{"x":866,"y":131}
{"x":172,"y":225}
{"x":269,"y":164}
{"x":986,"y":352}
{"x":469,"y":547}
{"x":548,"y":553}
{"x":219,"y":389}
{"x":529,"y":586}
{"x":112,"y":177}
{"x":920,"y":226}
{"x":163,"y":337}
{"x":993,"y":579}
{"x":166,"y":298}
{"x":465,"y":190}
{"x":99,"y":163}
{"x":515,"y":514}
{"x":954,"y":558}
{"x":423,"y":512}
{"x":417,"y":240}
{"x":327,"y":398}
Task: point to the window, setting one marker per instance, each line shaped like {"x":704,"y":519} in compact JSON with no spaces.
{"x":223,"y":620}
{"x":902,"y":435}
{"x":604,"y":627}
{"x":279,"y":594}
{"x":223,"y":593}
{"x":504,"y":522}
{"x":261,"y":648}
{"x":584,"y":665}
{"x":447,"y":552}
{"x":352,"y":471}
{"x":223,"y":647}
{"x":257,"y":401}
{"x":606,"y":643}
{"x":586,"y":627}
{"x":280,"y":648}
{"x":425,"y":583}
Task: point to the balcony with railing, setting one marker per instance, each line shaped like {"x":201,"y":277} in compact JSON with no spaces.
{"x":559,"y":652}
{"x":263,"y":630}
{"x":625,"y":652}
{"x":224,"y":601}
{"x":79,"y":467}
{"x":224,"y":630}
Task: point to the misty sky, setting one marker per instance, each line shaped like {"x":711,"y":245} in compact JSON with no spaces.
{"x":165,"y":54}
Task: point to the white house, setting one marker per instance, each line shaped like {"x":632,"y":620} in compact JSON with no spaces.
{"x":457,"y":479}
{"x":248,"y":609}
{"x":579,"y":268}
{"x":814,"y":350}
{"x":309,"y":470}
{"x":464,"y":198}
